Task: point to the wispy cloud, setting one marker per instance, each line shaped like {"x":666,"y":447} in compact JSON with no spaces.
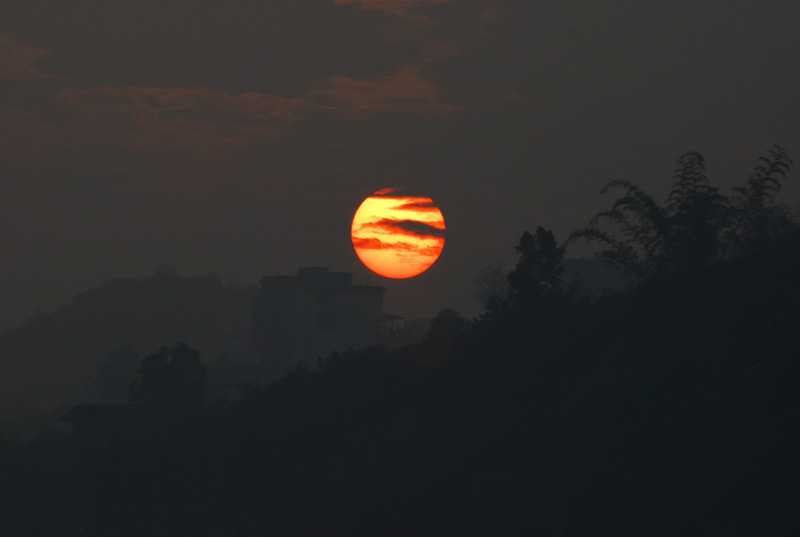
{"x":403,"y":90}
{"x":386,"y":192}
{"x":392,"y":6}
{"x":440,"y":29}
{"x":143,"y":117}
{"x":19,"y":61}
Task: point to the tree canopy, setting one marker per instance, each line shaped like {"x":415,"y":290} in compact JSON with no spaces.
{"x":173,"y":376}
{"x":697,"y":226}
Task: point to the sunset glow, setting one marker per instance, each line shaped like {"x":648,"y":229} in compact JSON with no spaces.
{"x":398,"y":236}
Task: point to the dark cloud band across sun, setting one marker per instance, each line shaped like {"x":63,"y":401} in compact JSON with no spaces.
{"x":377,"y":244}
{"x":417,"y":206}
{"x":412,"y":228}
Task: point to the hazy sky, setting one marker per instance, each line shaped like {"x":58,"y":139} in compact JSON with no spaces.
{"x":239,"y":137}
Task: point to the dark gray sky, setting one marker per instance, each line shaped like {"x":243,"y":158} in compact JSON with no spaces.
{"x":239,"y":137}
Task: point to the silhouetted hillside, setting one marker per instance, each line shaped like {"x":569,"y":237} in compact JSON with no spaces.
{"x":670,"y":410}
{"x":51,"y":359}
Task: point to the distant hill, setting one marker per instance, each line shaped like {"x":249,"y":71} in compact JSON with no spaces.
{"x":50,"y":360}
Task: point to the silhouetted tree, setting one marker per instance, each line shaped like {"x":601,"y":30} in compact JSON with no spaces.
{"x":643,"y":224}
{"x":491,"y":285}
{"x":756,"y":218}
{"x":696,"y":227}
{"x":537,"y":275}
{"x":445,"y":328}
{"x":114,"y":376}
{"x":697,"y":214}
{"x":677,"y":238}
{"x":171,"y":377}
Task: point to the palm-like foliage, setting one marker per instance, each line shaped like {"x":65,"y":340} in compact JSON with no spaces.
{"x":755,"y":217}
{"x":697,"y":215}
{"x":679,"y":237}
{"x":641,"y":221}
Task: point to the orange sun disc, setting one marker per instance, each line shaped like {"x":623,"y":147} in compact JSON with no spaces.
{"x":397,"y":236}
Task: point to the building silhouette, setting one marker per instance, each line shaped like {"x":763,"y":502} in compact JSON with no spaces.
{"x":304,"y":317}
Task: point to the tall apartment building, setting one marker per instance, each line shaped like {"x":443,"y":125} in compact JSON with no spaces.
{"x":300,"y":318}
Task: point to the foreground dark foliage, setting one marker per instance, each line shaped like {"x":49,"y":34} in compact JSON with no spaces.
{"x":669,"y":410}
{"x":657,"y":412}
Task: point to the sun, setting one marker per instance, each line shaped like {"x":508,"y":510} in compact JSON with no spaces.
{"x":397,"y":236}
